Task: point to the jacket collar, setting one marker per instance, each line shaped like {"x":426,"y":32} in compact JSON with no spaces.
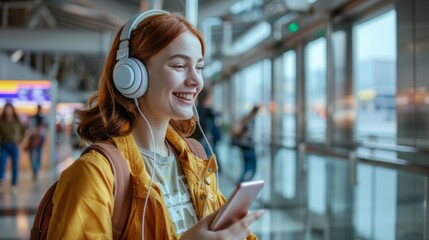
{"x":189,"y":161}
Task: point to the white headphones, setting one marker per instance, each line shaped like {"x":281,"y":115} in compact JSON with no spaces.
{"x":130,"y":75}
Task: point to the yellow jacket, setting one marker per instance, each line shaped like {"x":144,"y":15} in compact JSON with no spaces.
{"x":83,"y":200}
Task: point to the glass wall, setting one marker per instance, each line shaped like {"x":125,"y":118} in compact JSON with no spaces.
{"x":315,"y":89}
{"x":285,"y":172}
{"x":382,"y":204}
{"x":289,"y":97}
{"x":375,"y":76}
{"x":252,"y":86}
{"x":344,"y":102}
{"x":335,"y":194}
{"x":375,"y":208}
{"x":317,"y":180}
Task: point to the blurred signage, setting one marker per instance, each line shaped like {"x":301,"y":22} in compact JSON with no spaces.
{"x":25,"y":90}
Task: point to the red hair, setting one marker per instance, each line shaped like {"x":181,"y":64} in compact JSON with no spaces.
{"x":110,"y":114}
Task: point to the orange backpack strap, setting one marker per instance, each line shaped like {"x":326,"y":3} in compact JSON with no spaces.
{"x":43,"y":215}
{"x":196,"y":148}
{"x":123,"y":191}
{"x":123,"y":194}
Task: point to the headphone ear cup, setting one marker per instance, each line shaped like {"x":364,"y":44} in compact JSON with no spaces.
{"x":130,"y":77}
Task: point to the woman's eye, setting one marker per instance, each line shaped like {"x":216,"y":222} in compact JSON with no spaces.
{"x":200,"y":68}
{"x":180,"y":66}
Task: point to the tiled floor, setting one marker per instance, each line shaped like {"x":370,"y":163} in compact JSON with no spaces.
{"x":17,"y":210}
{"x":18,"y":207}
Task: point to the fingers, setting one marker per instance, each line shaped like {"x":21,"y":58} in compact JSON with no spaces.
{"x":201,"y":229}
{"x":241,"y":228}
{"x":252,"y":217}
{"x":236,"y":231}
{"x":249,"y":219}
{"x":207,"y":220}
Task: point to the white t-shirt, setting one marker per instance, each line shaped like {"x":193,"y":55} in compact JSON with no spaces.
{"x":174,"y":186}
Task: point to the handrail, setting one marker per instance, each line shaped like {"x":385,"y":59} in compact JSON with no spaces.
{"x":344,"y":154}
{"x":397,"y":164}
{"x":374,"y":142}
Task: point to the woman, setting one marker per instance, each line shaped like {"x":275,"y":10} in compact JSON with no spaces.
{"x":147,"y":126}
{"x":11,"y":134}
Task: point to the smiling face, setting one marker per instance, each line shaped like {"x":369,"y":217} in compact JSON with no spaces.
{"x":175,"y":79}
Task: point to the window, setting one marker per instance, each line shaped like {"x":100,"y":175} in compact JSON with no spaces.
{"x":315,"y":89}
{"x":375,"y":77}
{"x":289,"y":100}
{"x":253,"y":87}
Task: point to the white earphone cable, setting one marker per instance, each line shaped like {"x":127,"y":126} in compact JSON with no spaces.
{"x":211,"y":151}
{"x":153,"y":161}
{"x":153,"y":164}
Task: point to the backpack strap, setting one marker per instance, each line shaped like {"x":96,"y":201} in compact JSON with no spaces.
{"x":196,"y":147}
{"x":123,"y":191}
{"x":43,"y":215}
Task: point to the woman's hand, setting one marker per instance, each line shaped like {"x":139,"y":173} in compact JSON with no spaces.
{"x":239,"y":230}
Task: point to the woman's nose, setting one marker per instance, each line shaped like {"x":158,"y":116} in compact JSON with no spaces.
{"x":194,"y":78}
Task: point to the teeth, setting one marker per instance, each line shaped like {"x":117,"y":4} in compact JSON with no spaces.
{"x":187,"y":96}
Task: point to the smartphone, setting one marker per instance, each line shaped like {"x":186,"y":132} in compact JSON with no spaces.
{"x":237,"y":205}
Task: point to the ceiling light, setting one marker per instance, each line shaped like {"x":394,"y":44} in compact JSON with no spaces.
{"x":16,"y":56}
{"x":251,"y":38}
{"x":244,"y":6}
{"x":298,"y":5}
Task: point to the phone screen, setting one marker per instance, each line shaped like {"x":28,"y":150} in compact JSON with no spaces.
{"x":237,"y":205}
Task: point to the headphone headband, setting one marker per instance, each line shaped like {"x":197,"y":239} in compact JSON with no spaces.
{"x":135,"y":20}
{"x":123,"y":50}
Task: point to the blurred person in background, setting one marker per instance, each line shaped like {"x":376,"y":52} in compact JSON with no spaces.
{"x":12,"y":132}
{"x":242,"y":136}
{"x":38,"y":130}
{"x":207,"y":121}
